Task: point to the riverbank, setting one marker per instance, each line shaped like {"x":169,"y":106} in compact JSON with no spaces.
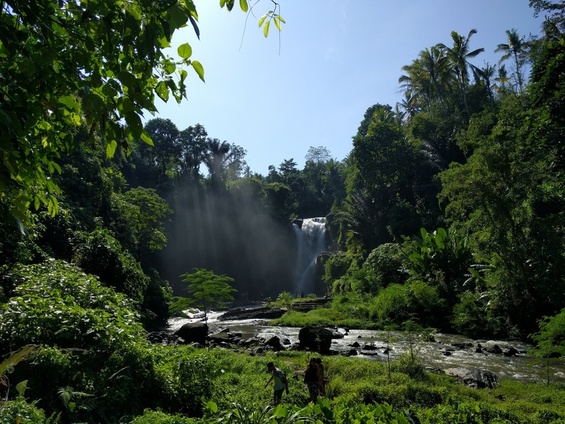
{"x":367,"y":391}
{"x":397,"y":386}
{"x":444,"y":352}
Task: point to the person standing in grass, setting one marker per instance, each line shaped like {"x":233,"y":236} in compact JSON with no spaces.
{"x":321,"y":377}
{"x":281,"y":383}
{"x":311,"y":379}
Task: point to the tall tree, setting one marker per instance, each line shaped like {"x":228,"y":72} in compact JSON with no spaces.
{"x":67,"y":63}
{"x":318,"y":154}
{"x":458,"y":58}
{"x":382,"y":188}
{"x":223,"y":160}
{"x":208,"y":289}
{"x":94,"y":63}
{"x":556,"y":9}
{"x":426,"y":78}
{"x":509,"y":197}
{"x":193,"y":148}
{"x":515,"y":48}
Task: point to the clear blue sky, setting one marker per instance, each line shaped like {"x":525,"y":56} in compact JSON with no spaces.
{"x":336,"y":59}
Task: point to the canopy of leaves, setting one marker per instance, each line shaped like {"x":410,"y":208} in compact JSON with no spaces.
{"x":208,"y":289}
{"x":57,"y":304}
{"x":65,"y":64}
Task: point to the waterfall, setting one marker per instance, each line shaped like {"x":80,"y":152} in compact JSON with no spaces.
{"x":311,"y":241}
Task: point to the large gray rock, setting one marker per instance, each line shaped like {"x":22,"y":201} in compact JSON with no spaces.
{"x":193,"y":332}
{"x":252,"y":313}
{"x":474,"y":378}
{"x":275,"y":343}
{"x":315,"y":338}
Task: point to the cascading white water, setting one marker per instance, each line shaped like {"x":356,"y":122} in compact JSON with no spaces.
{"x":311,"y":241}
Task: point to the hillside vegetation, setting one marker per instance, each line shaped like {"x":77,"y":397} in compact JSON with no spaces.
{"x":448,"y":213}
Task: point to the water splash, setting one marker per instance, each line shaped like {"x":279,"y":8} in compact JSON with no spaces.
{"x":311,"y":241}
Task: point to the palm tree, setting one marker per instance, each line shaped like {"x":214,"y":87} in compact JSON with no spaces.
{"x":502,"y":80}
{"x":458,"y":59}
{"x":425,"y":78}
{"x":408,"y":105}
{"x":214,"y":158}
{"x":516,"y":49}
{"x":222,"y":160}
{"x":487,"y":74}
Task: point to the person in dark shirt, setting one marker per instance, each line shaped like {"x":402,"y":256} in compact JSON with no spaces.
{"x":311,"y":379}
{"x":321,"y":377}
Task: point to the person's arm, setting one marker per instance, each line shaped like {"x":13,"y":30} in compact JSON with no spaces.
{"x":267,"y":383}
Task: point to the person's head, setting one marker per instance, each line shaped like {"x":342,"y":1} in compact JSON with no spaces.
{"x":318,"y":360}
{"x":313,"y":361}
{"x":270,"y":366}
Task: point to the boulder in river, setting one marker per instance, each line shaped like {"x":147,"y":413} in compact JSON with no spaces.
{"x":474,"y":378}
{"x":315,"y":338}
{"x":193,"y":332}
{"x":275,"y":343}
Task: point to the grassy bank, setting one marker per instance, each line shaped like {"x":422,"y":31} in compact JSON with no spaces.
{"x":198,"y":386}
{"x":364,"y":390}
{"x":344,"y":311}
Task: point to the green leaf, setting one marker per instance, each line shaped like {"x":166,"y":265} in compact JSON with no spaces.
{"x":134,"y":123}
{"x":169,"y":67}
{"x":185,"y":51}
{"x":69,"y":101}
{"x":146,"y":138}
{"x":262,"y":19}
{"x":16,"y":357}
{"x":243,"y":5}
{"x":212,"y":406}
{"x":21,"y":387}
{"x":278,"y":21}
{"x":423,"y":233}
{"x":266,"y":28}
{"x":199,"y":69}
{"x":162,"y":91}
{"x":164,"y":41}
{"x":176,"y":17}
{"x":111,"y":148}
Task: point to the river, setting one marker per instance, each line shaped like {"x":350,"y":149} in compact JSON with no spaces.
{"x":444,"y":352}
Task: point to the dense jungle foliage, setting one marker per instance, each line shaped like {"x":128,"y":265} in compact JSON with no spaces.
{"x":448,"y":212}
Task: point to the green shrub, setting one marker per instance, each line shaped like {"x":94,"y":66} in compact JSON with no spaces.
{"x":470,"y":316}
{"x":549,"y":417}
{"x":179,"y":304}
{"x":284,"y":300}
{"x":390,"y":306}
{"x":385,"y":262}
{"x":21,"y":412}
{"x":100,"y":254}
{"x":346,"y":412}
{"x":335,"y":266}
{"x":57,"y":304}
{"x":159,"y":417}
{"x":427,"y":304}
{"x":195,"y":374}
{"x":468,"y":412}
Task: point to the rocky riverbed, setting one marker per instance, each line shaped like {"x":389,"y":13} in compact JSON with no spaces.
{"x":448,"y":353}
